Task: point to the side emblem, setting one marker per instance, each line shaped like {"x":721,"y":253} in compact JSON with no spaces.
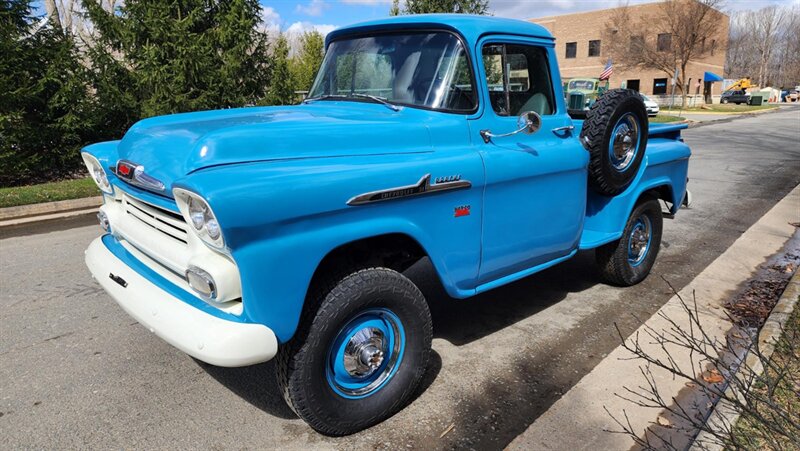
{"x":463,"y":210}
{"x":449,"y":178}
{"x":423,"y":186}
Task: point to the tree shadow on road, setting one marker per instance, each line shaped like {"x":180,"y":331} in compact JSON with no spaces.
{"x":258,"y":384}
{"x":462,"y":321}
{"x":255,"y":384}
{"x":459,"y":321}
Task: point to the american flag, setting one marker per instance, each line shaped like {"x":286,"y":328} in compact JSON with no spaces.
{"x":606,"y":74}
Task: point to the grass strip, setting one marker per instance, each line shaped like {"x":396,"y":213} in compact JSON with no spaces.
{"x":48,"y":192}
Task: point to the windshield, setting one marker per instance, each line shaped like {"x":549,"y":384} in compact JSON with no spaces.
{"x":427,"y":69}
{"x":585,"y":85}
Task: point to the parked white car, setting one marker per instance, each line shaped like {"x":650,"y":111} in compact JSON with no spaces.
{"x":650,"y":105}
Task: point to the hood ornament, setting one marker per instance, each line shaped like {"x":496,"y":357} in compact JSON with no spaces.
{"x":134,"y":174}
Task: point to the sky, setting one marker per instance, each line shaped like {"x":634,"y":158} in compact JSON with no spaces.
{"x":326,"y":15}
{"x":297,"y":16}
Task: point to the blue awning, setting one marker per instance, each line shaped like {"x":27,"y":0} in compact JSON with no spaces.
{"x":711,"y":76}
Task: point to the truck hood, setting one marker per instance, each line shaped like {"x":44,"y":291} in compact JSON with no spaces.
{"x":170,"y":147}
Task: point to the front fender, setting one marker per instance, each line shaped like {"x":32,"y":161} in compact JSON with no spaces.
{"x":280,"y":219}
{"x":276,"y":274}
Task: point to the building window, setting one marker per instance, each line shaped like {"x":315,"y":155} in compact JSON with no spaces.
{"x":664,"y":43}
{"x":572,"y":49}
{"x":594,"y":48}
{"x":659,"y":86}
{"x":632,"y":84}
{"x":637,"y":44}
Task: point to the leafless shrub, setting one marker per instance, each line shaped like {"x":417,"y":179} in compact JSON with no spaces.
{"x":735,"y":373}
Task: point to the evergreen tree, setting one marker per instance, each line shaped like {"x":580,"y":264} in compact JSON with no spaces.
{"x":281,"y":89}
{"x":158,"y":57}
{"x":306,"y":63}
{"x":440,"y":6}
{"x":45,"y":109}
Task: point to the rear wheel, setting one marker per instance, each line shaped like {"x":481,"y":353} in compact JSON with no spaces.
{"x":628,"y":261}
{"x":358,"y":359}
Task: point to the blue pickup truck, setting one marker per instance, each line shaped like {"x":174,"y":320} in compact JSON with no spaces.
{"x":243,"y":235}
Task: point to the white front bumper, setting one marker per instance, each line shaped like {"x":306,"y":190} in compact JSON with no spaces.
{"x":206,"y":337}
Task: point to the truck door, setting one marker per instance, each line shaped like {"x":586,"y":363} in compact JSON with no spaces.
{"x":535,"y":195}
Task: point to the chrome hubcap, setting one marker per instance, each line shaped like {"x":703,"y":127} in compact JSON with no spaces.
{"x":639,"y":241}
{"x":624,"y":143}
{"x":364,"y":353}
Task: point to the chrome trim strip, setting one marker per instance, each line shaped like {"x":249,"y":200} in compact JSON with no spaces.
{"x":422,"y":187}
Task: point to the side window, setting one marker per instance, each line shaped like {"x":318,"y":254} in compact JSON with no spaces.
{"x":572,"y":50}
{"x":518,"y":78}
{"x":594,"y":48}
{"x":664,"y":42}
{"x":659,"y":86}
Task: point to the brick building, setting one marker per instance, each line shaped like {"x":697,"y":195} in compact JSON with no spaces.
{"x":579,"y":46}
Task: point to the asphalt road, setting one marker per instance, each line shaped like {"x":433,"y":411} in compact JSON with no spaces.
{"x":77,"y":372}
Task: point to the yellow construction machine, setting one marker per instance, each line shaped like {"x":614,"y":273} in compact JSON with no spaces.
{"x":742,"y":85}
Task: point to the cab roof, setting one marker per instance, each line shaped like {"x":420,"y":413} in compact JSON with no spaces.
{"x":471,"y":27}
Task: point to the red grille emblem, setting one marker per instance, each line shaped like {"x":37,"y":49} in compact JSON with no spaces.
{"x":124,"y":169}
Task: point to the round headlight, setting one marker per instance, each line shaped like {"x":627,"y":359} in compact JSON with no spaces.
{"x":212,"y":227}
{"x":97,"y":173}
{"x":196,"y":211}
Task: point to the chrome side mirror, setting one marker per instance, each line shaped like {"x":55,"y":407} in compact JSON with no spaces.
{"x":528,"y":122}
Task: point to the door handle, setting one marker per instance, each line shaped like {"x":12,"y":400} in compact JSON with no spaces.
{"x":566,"y":128}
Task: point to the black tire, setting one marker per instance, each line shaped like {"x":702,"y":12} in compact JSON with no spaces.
{"x":306,"y":368}
{"x":614,"y":108}
{"x":614,"y":259}
{"x":723,"y":101}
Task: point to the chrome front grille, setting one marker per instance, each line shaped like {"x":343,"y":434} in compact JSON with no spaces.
{"x":167,"y":222}
{"x":161,"y":239}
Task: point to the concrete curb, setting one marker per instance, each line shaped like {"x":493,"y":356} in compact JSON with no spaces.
{"x":586,"y":416}
{"x":25,"y":214}
{"x":724,"y":416}
{"x":733,"y":113}
{"x":727,"y":117}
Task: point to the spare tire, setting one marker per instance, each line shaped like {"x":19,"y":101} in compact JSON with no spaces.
{"x":615,"y":134}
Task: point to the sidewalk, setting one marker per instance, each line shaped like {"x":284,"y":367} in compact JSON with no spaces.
{"x":579,"y":420}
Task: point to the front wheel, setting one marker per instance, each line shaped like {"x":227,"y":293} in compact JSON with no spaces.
{"x":628,"y":261}
{"x":360,"y":356}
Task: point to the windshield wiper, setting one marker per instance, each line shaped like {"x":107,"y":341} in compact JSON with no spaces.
{"x":324,"y":97}
{"x":381,"y":100}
